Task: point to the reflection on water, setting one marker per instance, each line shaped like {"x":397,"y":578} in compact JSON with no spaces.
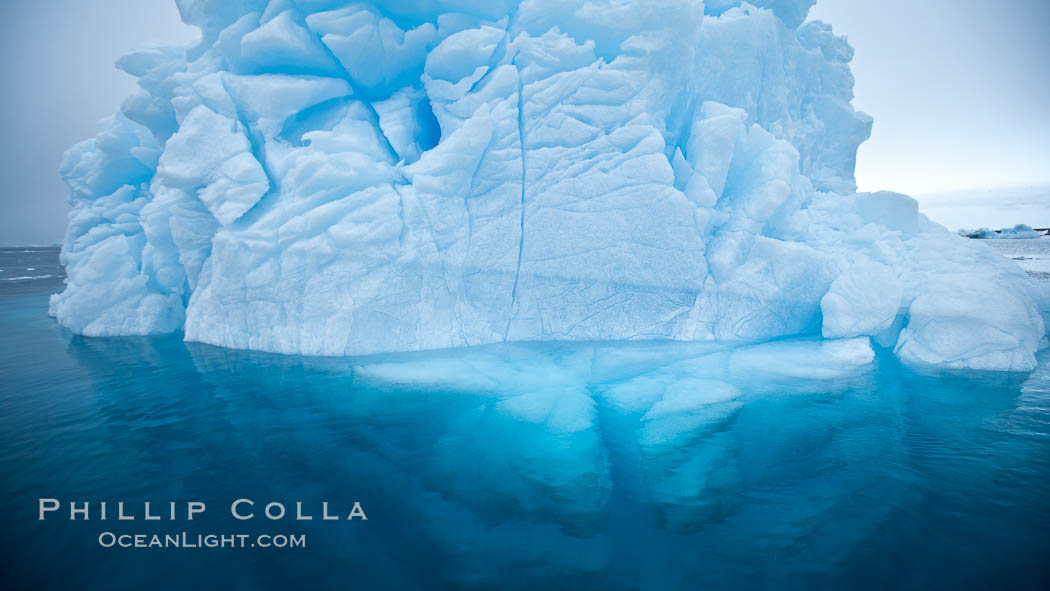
{"x":568,"y":466}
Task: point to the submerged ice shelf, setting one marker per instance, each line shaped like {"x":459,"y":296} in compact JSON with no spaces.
{"x":333,"y":178}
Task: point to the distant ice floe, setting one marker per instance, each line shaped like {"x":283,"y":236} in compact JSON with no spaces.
{"x":1020,"y":231}
{"x":26,"y":278}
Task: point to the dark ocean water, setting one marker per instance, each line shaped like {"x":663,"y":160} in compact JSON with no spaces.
{"x":887,"y":478}
{"x":1033,"y":255}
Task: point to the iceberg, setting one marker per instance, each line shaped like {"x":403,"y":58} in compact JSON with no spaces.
{"x":336,"y":178}
{"x":1018,"y":232}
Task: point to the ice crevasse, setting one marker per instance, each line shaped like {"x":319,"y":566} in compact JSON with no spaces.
{"x":334,"y":178}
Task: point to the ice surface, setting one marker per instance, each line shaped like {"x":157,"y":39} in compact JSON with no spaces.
{"x":332,"y":178}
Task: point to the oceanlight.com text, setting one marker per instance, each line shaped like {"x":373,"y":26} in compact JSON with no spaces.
{"x":186,"y":540}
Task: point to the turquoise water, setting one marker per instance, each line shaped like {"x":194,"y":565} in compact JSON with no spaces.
{"x":513,"y":467}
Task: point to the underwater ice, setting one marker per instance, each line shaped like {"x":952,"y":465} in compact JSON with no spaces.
{"x":549,"y":420}
{"x":332,"y":178}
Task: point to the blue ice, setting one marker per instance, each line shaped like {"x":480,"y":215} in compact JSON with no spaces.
{"x":332,"y":178}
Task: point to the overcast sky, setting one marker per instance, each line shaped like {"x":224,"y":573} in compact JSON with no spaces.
{"x":56,"y":64}
{"x":959,"y":90}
